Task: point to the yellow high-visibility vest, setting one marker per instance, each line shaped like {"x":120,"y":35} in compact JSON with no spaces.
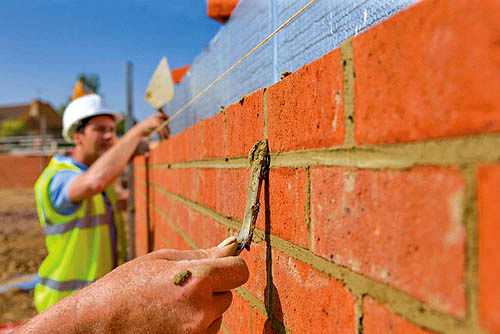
{"x":80,"y":244}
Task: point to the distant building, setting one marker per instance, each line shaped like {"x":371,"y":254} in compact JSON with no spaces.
{"x":32,"y":114}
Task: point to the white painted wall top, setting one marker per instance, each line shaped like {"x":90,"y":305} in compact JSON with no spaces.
{"x":311,"y":35}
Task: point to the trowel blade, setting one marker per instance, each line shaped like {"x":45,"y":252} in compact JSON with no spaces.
{"x":161,"y":86}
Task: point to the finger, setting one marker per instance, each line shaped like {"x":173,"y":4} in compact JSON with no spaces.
{"x":221,"y":302}
{"x":181,"y":255}
{"x":164,"y":134}
{"x":225,"y":248}
{"x":221,"y":274}
{"x":186,"y":255}
{"x":153,"y":145}
{"x":227,"y":241}
{"x":214,"y":326}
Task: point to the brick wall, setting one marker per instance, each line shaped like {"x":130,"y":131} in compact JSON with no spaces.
{"x":381,"y":209}
{"x":19,"y":171}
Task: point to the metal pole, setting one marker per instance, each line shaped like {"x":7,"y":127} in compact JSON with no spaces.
{"x":130,"y":170}
{"x":43,"y":134}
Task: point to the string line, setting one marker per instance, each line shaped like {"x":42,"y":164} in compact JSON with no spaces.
{"x":200,"y":93}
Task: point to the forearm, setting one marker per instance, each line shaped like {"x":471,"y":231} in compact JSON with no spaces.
{"x":109,"y":166}
{"x":63,"y":317}
{"x":105,"y":169}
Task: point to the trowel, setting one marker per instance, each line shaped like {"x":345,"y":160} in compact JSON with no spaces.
{"x":259,"y":166}
{"x":160,"y":90}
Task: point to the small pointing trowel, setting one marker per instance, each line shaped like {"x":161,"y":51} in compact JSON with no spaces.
{"x":160,"y":90}
{"x":259,"y":165}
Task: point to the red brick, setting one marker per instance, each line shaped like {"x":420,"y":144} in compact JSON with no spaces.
{"x":195,"y":227}
{"x":403,"y":228}
{"x":141,"y":247}
{"x":304,"y":298}
{"x":188,"y":188}
{"x":160,"y":153}
{"x":169,"y":179}
{"x":261,"y":324}
{"x":220,"y":10}
{"x":158,"y":241}
{"x":239,"y":316}
{"x":489,"y":233}
{"x":231,"y":192}
{"x":179,"y":73}
{"x":180,"y":181}
{"x":194,"y":138}
{"x":140,"y":222}
{"x":214,"y":145}
{"x":429,"y":72}
{"x":20,"y":171}
{"x":139,"y":170}
{"x":189,"y":221}
{"x":378,"y":318}
{"x":206,"y":185}
{"x":215,"y":232}
{"x":177,"y":148}
{"x":256,"y":262}
{"x":174,"y":239}
{"x":245,"y":124}
{"x":139,"y":160}
{"x":140,"y":180}
{"x":287,"y":205}
{"x":305,"y":109}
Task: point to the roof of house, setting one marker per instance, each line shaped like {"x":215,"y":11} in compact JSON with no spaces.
{"x":13,"y":111}
{"x":31,"y":112}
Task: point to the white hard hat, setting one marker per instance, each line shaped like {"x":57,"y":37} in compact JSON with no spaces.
{"x":81,"y":108}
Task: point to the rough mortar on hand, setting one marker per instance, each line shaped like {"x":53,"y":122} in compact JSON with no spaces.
{"x":181,"y":277}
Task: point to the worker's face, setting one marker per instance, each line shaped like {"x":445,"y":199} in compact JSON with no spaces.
{"x":97,"y":137}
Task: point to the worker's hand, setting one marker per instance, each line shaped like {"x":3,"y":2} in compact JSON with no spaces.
{"x":167,"y":291}
{"x":143,"y":297}
{"x":142,"y":148}
{"x":151,"y":123}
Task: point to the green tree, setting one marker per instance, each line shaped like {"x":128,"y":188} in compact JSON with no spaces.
{"x":13,"y":127}
{"x":120,"y":127}
{"x":91,"y":82}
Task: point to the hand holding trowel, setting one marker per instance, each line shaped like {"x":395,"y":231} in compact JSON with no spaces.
{"x":160,"y":91}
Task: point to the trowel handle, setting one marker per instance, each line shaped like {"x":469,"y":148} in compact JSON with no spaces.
{"x":161,"y":111}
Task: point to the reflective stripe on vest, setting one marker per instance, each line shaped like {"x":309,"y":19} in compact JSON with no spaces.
{"x":63,"y":286}
{"x":85,"y":222}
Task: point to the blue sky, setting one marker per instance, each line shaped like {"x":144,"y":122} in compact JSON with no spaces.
{"x":45,"y":44}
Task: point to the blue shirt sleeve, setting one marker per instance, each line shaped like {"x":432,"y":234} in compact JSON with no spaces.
{"x":59,"y":191}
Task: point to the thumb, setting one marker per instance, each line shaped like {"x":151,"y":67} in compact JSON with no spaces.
{"x":225,"y":248}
